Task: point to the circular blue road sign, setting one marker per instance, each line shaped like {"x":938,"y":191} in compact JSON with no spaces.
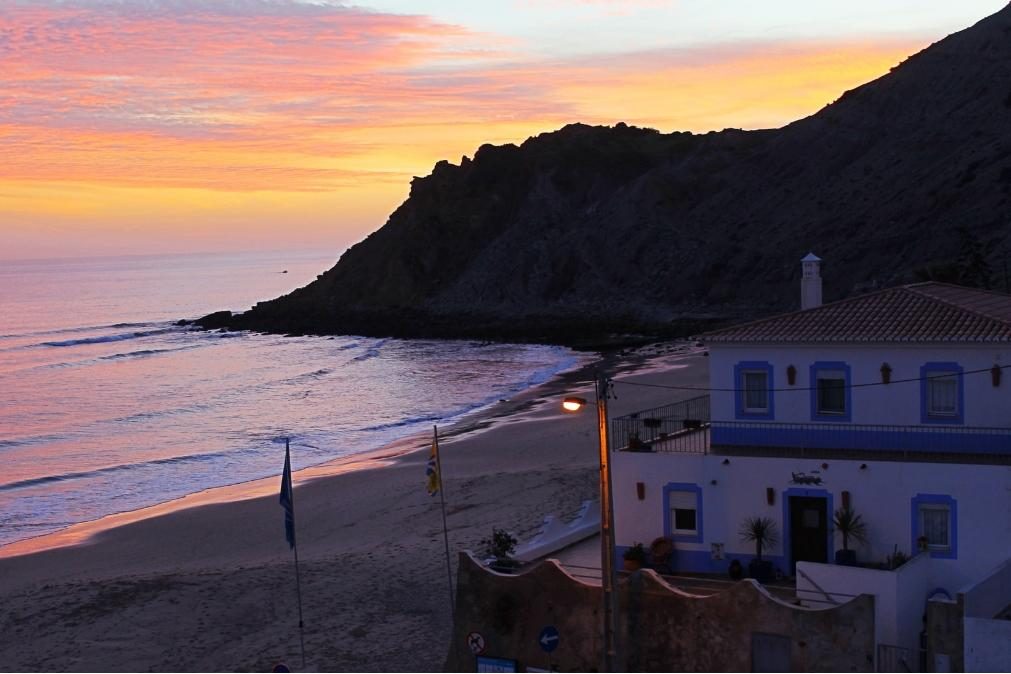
{"x":548,"y":639}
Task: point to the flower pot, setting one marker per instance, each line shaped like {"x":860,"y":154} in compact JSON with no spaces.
{"x":760,"y":570}
{"x":631,"y":564}
{"x":846,"y":557}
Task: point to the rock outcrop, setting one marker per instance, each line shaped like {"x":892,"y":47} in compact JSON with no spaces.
{"x":588,"y":231}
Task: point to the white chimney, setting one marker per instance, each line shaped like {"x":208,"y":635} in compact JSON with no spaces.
{"x":810,"y":282}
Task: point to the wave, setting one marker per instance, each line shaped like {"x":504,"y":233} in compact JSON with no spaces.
{"x":348,"y":346}
{"x":33,"y":440}
{"x":143,"y":353}
{"x":370,"y":353}
{"x":98,"y":472}
{"x":104,"y":339}
{"x":83,"y":328}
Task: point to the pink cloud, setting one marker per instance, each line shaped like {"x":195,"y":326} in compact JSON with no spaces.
{"x":260,"y":94}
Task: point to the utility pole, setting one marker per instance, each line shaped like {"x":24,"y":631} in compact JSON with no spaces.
{"x":608,"y":572}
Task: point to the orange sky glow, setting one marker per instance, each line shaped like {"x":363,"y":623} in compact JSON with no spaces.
{"x":279,"y":124}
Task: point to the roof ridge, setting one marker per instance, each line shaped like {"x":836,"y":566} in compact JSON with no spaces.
{"x":915,"y":288}
{"x":776,"y":317}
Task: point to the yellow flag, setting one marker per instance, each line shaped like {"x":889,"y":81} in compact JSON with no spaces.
{"x":432,"y":471}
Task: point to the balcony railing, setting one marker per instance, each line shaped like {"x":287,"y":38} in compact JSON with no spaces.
{"x":678,"y":427}
{"x":861,"y":437}
{"x":686,"y":426}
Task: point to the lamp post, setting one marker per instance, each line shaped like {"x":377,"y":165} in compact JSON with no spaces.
{"x":608,"y":573}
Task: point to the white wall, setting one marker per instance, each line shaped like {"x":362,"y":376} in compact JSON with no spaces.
{"x":894,"y":404}
{"x":991,"y":595}
{"x":899,"y":595}
{"x":987,"y":645}
{"x":881,"y":493}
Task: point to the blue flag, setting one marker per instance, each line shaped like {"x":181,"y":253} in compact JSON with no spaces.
{"x":287,"y":499}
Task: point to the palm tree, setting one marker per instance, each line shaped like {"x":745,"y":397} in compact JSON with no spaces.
{"x":761,"y":531}
{"x":850,"y":525}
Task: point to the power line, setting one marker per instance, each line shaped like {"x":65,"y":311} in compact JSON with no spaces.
{"x":708,"y":389}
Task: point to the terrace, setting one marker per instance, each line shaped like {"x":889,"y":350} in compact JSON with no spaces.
{"x":686,"y":427}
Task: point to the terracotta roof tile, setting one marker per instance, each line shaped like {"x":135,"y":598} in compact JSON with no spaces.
{"x":920,"y":312}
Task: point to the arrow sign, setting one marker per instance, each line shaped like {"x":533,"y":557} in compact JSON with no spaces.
{"x":549,"y":639}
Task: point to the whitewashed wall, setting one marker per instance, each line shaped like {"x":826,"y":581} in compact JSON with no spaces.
{"x":892,"y":404}
{"x":899,"y":595}
{"x":882,"y":493}
{"x":987,"y":645}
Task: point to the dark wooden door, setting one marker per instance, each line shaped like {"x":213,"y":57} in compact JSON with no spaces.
{"x":808,"y":529}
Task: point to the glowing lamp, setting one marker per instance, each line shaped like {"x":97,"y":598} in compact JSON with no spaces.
{"x":573,"y":404}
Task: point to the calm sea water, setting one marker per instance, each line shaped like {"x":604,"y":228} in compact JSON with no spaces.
{"x":107,"y":406}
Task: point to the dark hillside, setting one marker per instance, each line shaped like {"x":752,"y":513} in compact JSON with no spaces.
{"x":592,"y":230}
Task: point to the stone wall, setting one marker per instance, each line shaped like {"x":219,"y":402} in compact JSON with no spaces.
{"x":659,"y":627}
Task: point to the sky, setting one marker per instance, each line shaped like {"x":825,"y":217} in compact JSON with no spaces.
{"x":155,"y":126}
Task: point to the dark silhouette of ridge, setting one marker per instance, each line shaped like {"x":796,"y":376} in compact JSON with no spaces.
{"x":588,"y":231}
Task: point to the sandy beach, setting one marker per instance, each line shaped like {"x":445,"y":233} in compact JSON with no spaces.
{"x":207,"y":583}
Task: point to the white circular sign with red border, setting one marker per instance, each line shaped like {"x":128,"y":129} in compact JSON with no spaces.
{"x":475,"y":642}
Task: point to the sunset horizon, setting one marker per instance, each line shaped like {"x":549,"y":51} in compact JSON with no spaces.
{"x":286,"y":125}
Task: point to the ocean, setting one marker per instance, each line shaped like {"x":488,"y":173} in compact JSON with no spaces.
{"x":107,"y":406}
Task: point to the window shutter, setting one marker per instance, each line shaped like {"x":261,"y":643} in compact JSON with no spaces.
{"x":683,"y":500}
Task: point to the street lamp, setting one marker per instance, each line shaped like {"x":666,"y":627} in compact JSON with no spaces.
{"x":608,"y":574}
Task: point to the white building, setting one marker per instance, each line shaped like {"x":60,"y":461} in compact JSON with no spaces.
{"x":894,"y":403}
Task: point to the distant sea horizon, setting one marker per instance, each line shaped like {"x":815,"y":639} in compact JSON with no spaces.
{"x":107,"y":406}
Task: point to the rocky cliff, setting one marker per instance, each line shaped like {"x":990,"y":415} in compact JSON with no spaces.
{"x":594,"y":230}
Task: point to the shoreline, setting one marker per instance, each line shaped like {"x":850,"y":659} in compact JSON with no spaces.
{"x":211,"y":587}
{"x":468,"y":424}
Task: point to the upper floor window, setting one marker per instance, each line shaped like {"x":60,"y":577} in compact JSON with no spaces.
{"x":941,"y":393}
{"x":754,"y":390}
{"x":830,"y":391}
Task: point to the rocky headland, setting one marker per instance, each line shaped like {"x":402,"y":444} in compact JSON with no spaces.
{"x":588,"y":234}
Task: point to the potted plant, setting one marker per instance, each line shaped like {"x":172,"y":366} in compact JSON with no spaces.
{"x":762,"y":532}
{"x":634,"y":557}
{"x":498,"y":548}
{"x":896,"y":559}
{"x":851,"y":526}
{"x":635,"y":443}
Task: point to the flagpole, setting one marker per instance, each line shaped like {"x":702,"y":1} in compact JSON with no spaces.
{"x":298,"y":581}
{"x":445,"y":529}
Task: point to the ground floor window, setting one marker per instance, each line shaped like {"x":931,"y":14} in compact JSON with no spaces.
{"x":935,"y":524}
{"x":683,"y":517}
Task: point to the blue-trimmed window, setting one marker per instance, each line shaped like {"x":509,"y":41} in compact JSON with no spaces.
{"x":935,"y":517}
{"x":831,"y":398}
{"x":682,"y":515}
{"x":942,"y":393}
{"x":754,"y":399}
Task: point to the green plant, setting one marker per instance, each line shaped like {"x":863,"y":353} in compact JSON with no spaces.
{"x":636,"y":553}
{"x":761,"y":531}
{"x":500,"y":544}
{"x":850,"y":525}
{"x":896,"y":559}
